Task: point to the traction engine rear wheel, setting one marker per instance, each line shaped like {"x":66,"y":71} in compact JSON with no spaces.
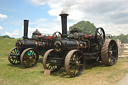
{"x":109,"y":52}
{"x":29,"y":58}
{"x":47,"y":59}
{"x":74,"y":63}
{"x":14,"y":56}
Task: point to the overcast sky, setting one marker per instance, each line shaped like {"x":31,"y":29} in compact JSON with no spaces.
{"x":43,"y":15}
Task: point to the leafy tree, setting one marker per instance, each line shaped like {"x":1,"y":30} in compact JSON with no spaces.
{"x":86,"y":26}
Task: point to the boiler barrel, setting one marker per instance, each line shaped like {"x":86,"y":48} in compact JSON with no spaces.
{"x":26,"y":43}
{"x":60,"y":45}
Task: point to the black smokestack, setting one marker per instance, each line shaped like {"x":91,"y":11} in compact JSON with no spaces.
{"x":25,"y":29}
{"x":64,"y":23}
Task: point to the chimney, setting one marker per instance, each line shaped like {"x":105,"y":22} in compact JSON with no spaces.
{"x":25,"y":29}
{"x":64,"y":24}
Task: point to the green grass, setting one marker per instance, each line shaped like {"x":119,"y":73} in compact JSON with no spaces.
{"x":5,"y":46}
{"x":95,"y":74}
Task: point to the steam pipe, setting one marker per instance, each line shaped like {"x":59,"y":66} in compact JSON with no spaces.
{"x":64,"y":24}
{"x":25,"y":29}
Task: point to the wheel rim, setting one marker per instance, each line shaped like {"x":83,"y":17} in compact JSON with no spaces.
{"x":14,"y":56}
{"x":29,"y":58}
{"x":47,"y":61}
{"x":74,"y":63}
{"x":100,"y":36}
{"x":112,"y":53}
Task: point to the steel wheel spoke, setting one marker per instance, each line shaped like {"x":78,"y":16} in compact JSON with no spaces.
{"x":79,"y":57}
{"x":73,"y":64}
{"x":99,"y":33}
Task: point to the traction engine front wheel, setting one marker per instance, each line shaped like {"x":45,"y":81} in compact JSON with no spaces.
{"x":14,"y":56}
{"x":74,"y":63}
{"x":49,"y":62}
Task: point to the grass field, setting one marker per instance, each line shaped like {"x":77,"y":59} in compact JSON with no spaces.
{"x":95,"y":74}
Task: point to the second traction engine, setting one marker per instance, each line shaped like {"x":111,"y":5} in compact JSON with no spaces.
{"x":27,"y":50}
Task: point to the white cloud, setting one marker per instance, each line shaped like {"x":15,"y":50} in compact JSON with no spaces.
{"x":2,"y":16}
{"x":14,"y":33}
{"x":44,"y":31}
{"x":113,"y":29}
{"x":16,"y":22}
{"x":38,"y":2}
{"x":111,"y":14}
{"x":7,"y":33}
{"x":1,"y":27}
{"x":55,"y":11}
{"x":38,"y":21}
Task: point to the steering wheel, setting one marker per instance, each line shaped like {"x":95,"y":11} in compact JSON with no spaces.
{"x":100,"y":36}
{"x":56,"y":35}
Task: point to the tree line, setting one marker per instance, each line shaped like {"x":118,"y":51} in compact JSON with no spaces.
{"x":6,"y":36}
{"x":123,"y":38}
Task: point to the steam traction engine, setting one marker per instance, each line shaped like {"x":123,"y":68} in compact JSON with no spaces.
{"x":27,"y":51}
{"x":72,"y":50}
